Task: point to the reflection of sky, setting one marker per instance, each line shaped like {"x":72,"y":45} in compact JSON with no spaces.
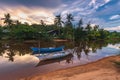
{"x":28,"y":59}
{"x":19,"y":61}
{"x":110,"y":50}
{"x":27,"y":63}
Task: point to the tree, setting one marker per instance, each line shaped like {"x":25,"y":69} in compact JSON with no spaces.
{"x":58,"y":21}
{"x":69,"y":20}
{"x":7,"y":19}
{"x":69,"y":27}
{"x":17,"y":22}
{"x":80,"y":23}
{"x":88,"y":27}
{"x":96,"y":27}
{"x":42,"y":23}
{"x":103,"y":33}
{"x":1,"y":32}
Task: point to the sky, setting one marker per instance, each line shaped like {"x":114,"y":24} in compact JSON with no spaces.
{"x":105,"y":13}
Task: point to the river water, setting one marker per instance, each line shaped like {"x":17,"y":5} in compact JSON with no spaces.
{"x":17,"y":62}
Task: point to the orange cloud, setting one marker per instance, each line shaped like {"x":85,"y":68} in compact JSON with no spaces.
{"x":29,"y":15}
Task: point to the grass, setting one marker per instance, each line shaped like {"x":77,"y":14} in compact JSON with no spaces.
{"x":117,"y":64}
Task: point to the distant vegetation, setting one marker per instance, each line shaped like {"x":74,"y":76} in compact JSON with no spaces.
{"x":117,"y":64}
{"x":15,"y":30}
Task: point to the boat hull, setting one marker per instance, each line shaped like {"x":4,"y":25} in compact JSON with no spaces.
{"x":46,"y":50}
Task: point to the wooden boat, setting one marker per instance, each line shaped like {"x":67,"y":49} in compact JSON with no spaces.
{"x":49,"y":60}
{"x":46,"y":50}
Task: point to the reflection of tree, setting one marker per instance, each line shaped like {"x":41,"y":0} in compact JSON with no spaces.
{"x":83,"y":47}
{"x":79,"y":50}
{"x":69,"y":59}
{"x":10,"y":55}
{"x":79,"y":55}
{"x":86,"y":47}
{"x":14,"y":49}
{"x":86,"y":51}
{"x":1,"y":51}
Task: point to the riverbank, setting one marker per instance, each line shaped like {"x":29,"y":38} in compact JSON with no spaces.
{"x":104,"y":69}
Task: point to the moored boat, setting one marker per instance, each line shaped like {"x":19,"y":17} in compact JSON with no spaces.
{"x":37,"y":50}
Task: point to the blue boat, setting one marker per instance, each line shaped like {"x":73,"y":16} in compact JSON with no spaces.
{"x":46,"y":50}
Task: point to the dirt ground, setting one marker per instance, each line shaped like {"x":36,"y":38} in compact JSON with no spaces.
{"x":104,"y":69}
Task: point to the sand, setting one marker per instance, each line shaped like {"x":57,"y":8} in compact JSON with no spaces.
{"x":104,"y":69}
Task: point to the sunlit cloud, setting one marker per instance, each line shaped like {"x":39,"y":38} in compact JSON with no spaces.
{"x":29,"y":15}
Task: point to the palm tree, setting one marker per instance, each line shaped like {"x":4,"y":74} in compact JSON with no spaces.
{"x":80,"y":23}
{"x":88,"y":27}
{"x":69,"y":27}
{"x":7,"y":19}
{"x":58,"y":22}
{"x":69,"y":20}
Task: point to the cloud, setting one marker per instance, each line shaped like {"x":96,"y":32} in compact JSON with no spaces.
{"x":113,"y":28}
{"x":114,"y":17}
{"x":93,"y":2}
{"x":106,"y":1}
{"x":33,"y":3}
{"x":83,"y":8}
{"x":29,"y":15}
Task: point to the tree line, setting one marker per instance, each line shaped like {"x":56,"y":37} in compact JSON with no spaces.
{"x":15,"y":30}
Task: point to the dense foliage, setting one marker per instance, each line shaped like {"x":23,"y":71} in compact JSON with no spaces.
{"x":64,"y":30}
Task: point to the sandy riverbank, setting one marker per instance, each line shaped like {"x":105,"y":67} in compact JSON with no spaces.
{"x":103,"y":69}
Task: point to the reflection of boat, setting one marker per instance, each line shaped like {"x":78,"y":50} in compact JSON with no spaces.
{"x":46,"y":50}
{"x":66,"y":57}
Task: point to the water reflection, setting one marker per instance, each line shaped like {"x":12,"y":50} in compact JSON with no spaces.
{"x":12,"y":49}
{"x":18,"y":56}
{"x":67,"y":58}
{"x":10,"y":55}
